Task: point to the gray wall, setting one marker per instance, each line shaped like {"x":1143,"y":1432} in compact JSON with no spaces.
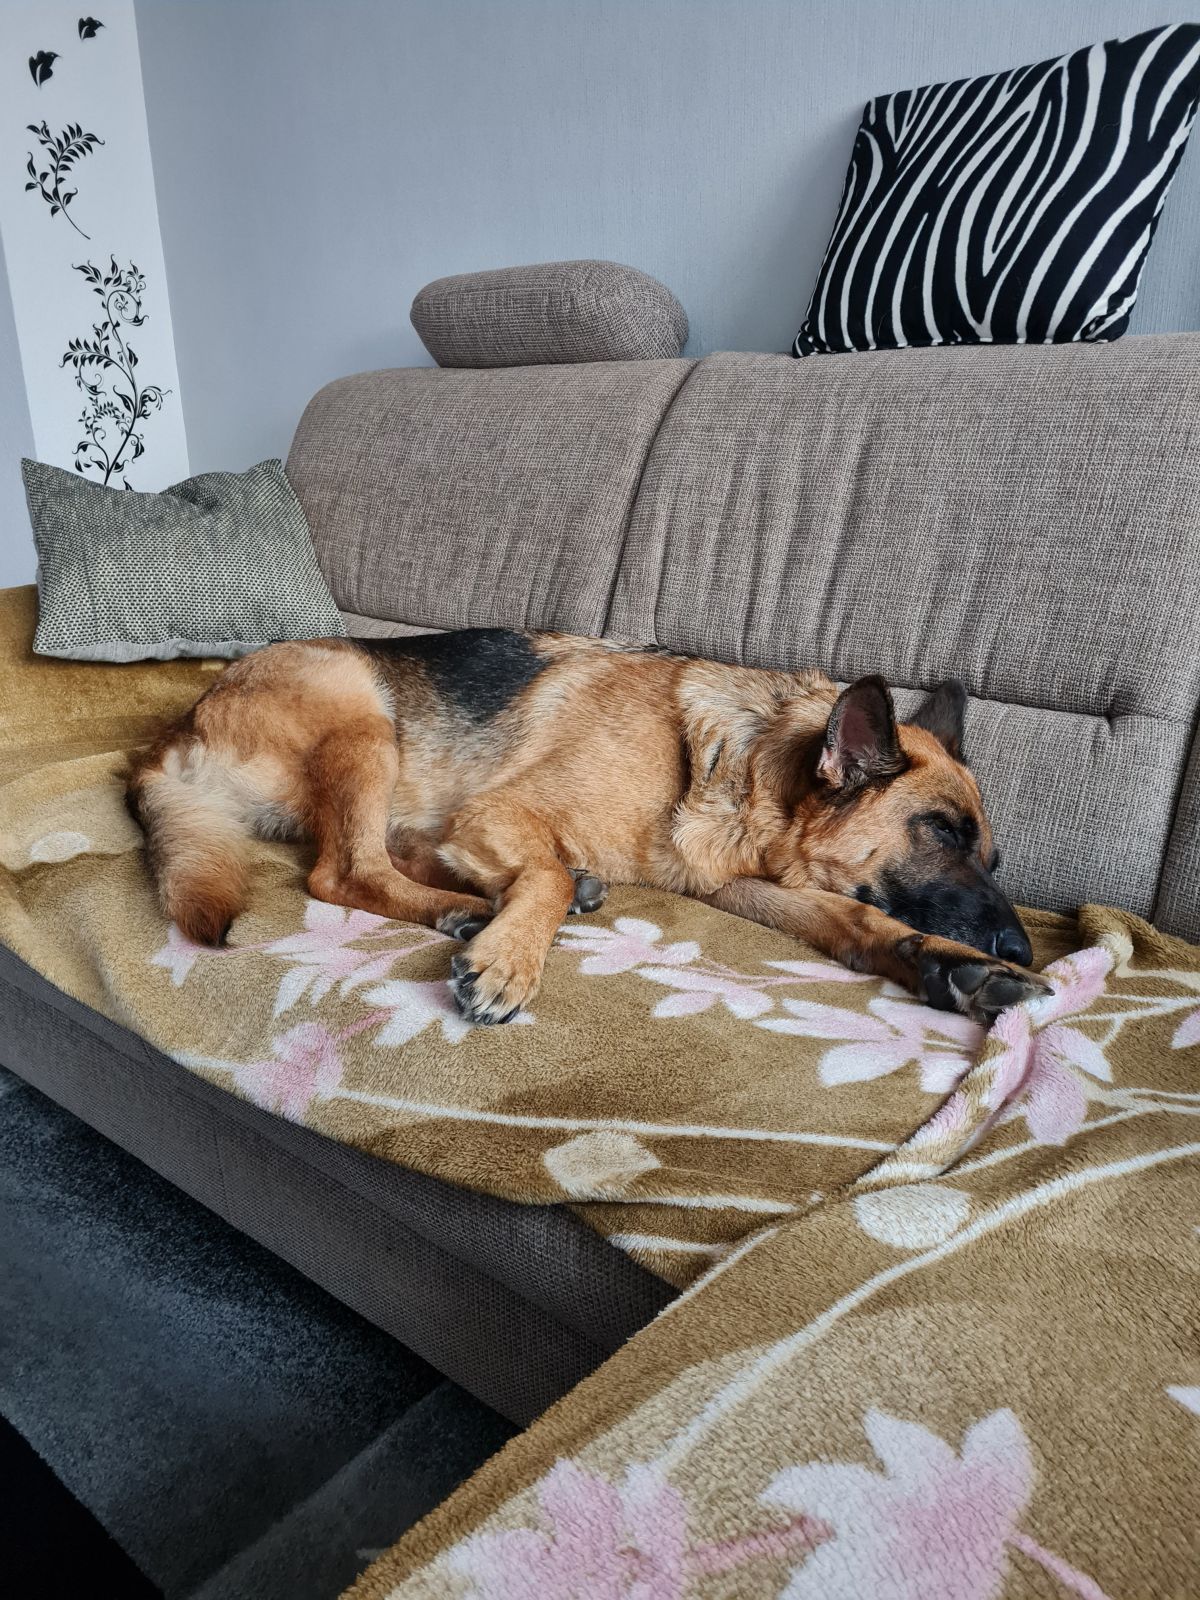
{"x":17,"y":559}
{"x":316,"y":162}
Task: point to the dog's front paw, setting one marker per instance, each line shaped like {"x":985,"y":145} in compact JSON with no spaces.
{"x":956,"y":978}
{"x":492,"y":987}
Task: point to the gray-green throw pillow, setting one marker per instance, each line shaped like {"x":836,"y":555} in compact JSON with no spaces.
{"x":214,"y":566}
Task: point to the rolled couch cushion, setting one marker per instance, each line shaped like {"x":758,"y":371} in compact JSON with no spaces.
{"x":214,"y":566}
{"x":557,"y":311}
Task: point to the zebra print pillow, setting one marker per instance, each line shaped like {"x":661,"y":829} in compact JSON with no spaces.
{"x":1012,"y":209}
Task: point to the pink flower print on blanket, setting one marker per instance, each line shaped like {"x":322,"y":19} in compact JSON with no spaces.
{"x":891,"y":1034}
{"x":932,"y":1522}
{"x":305,"y":1064}
{"x":1042,"y":1074}
{"x":629,"y":943}
{"x":632,"y":945}
{"x":325,"y":953}
{"x":1075,"y":981}
{"x":179,"y":955}
{"x":699,"y":991}
{"x":603,"y":1541}
{"x":408,"y":1005}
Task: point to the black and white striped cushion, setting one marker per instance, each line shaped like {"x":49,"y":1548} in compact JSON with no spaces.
{"x":1013,"y":209}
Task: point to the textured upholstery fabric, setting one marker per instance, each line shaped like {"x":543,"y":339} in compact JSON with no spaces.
{"x":516,"y":1303}
{"x":378,"y":628}
{"x":1178,"y":906}
{"x":556,"y":311}
{"x":450,"y":499}
{"x":1027,"y":519}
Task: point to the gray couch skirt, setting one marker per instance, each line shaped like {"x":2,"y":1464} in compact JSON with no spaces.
{"x":515,"y":1303}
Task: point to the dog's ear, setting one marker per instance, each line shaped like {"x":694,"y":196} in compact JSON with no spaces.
{"x":941,"y":714}
{"x":861,"y":742}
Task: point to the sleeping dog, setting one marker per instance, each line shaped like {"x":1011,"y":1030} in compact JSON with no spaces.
{"x":486,"y":782}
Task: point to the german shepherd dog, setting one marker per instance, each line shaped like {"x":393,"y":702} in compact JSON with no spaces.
{"x":486,"y":782}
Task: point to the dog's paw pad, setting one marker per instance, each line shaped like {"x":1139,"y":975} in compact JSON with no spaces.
{"x":590,"y":894}
{"x":976,"y":987}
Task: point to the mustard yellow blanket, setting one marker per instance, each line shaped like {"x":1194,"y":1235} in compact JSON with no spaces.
{"x":938,"y":1334}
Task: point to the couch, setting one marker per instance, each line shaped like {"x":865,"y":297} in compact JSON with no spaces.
{"x":1027,"y":519}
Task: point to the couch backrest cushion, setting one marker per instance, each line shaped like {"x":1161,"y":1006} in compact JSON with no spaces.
{"x":453,"y":499}
{"x":1025,"y":518}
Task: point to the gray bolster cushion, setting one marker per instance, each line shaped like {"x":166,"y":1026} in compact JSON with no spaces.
{"x":558,"y":311}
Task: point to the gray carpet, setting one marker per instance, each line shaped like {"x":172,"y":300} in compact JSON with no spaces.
{"x":237,"y":1431}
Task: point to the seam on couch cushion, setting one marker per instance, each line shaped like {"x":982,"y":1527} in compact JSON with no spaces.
{"x":620,"y":561}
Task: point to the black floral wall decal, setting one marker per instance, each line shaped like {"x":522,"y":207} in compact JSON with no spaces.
{"x":89,"y":27}
{"x":41,"y":66}
{"x":62,"y":151}
{"x":106,"y":371}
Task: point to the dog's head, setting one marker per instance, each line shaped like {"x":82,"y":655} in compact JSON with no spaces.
{"x":892,"y":816}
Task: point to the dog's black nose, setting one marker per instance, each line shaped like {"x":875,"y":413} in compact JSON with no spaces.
{"x":1010,"y":944}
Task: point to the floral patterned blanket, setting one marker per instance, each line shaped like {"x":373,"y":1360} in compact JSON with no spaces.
{"x":973,"y":1371}
{"x":938,"y":1327}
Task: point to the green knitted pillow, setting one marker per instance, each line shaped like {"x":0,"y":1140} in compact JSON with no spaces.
{"x":214,"y":566}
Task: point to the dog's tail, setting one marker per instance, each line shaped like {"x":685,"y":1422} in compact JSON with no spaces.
{"x":197,"y":826}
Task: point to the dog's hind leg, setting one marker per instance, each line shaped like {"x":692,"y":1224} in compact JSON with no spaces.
{"x":950,"y":976}
{"x":350,"y":777}
{"x":509,"y":852}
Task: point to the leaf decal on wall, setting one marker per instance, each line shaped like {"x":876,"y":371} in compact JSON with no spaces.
{"x":61,"y":152}
{"x":104,"y":371}
{"x":88,"y":27}
{"x":41,"y":66}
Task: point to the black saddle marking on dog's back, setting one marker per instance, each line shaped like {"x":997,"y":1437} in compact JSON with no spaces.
{"x":480,"y":671}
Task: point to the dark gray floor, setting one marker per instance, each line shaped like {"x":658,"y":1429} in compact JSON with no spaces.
{"x":236,"y":1430}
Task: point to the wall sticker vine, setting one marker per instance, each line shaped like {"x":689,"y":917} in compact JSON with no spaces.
{"x":62,"y":151}
{"x":101,"y":381}
{"x":105,"y":370}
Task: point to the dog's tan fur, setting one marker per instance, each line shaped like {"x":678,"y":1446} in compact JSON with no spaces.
{"x":633,"y":766}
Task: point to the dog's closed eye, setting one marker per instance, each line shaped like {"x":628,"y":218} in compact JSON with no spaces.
{"x":960,"y":833}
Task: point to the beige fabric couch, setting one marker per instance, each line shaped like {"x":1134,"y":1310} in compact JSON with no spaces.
{"x":1025,"y":518}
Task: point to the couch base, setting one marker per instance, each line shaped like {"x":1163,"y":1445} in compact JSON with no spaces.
{"x":515,"y":1303}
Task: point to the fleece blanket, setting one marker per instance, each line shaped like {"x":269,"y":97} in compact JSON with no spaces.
{"x":938,"y":1327}
{"x":973,"y":1372}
